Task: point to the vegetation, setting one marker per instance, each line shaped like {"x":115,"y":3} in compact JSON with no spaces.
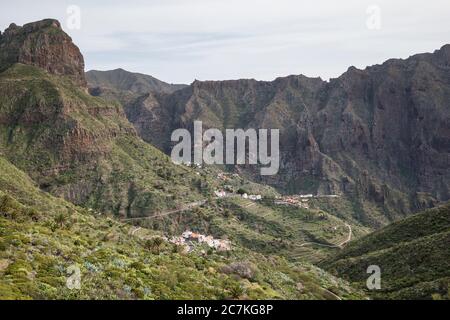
{"x":413,"y":256}
{"x":35,"y":258}
{"x":72,"y":167}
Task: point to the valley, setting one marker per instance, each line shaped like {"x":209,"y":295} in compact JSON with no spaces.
{"x":86,"y":181}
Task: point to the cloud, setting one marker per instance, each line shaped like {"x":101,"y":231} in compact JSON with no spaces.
{"x":183,"y":40}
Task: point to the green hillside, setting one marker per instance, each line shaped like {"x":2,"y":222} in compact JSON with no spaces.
{"x":82,"y":187}
{"x":413,"y":255}
{"x":83,"y":148}
{"x":42,"y":236}
{"x":294,"y":233}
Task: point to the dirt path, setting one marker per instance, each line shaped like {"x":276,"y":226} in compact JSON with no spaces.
{"x":349,"y":238}
{"x":339,"y":245}
{"x":333,"y":294}
{"x":166,"y":213}
{"x":133,"y":231}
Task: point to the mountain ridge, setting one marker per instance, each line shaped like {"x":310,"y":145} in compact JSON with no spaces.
{"x":58,"y":142}
{"x":120,"y":79}
{"x":377,"y":135}
{"x":412,"y":254}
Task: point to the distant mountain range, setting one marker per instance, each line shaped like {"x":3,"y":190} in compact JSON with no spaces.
{"x":122,"y":80}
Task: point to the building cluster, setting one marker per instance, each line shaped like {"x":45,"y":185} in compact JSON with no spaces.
{"x":295,"y":200}
{"x":222,"y":176}
{"x":188,"y":239}
{"x":253,"y":197}
{"x":221,"y":193}
{"x":227,"y":176}
{"x":226,"y":194}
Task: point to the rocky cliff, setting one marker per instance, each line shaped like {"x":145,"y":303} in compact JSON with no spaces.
{"x":379,"y":136}
{"x":72,"y":144}
{"x":42,"y":44}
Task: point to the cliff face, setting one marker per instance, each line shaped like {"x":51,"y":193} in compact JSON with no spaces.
{"x":45,"y":45}
{"x":380,"y":135}
{"x":72,"y":144}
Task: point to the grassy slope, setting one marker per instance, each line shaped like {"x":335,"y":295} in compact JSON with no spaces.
{"x":84,"y":149}
{"x":115,"y":172}
{"x":294,"y":233}
{"x":413,"y":255}
{"x":41,"y":236}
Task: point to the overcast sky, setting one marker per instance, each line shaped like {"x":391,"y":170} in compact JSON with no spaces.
{"x":181,"y":40}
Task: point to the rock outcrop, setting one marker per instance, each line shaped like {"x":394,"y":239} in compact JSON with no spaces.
{"x":45,"y":45}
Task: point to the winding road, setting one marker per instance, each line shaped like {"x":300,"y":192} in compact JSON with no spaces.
{"x":189,"y":206}
{"x":339,"y":245}
{"x":349,"y":238}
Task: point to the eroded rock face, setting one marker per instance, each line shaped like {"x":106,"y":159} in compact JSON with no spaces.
{"x":380,"y":134}
{"x":45,"y":45}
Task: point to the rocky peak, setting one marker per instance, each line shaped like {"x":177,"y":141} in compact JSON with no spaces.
{"x":45,"y":45}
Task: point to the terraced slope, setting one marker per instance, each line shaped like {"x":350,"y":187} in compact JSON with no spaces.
{"x":294,"y":233}
{"x":42,"y":237}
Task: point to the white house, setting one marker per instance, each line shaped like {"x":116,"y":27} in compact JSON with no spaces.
{"x":220,"y":193}
{"x":187,"y":234}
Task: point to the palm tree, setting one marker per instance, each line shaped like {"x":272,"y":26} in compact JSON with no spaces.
{"x":154,"y":244}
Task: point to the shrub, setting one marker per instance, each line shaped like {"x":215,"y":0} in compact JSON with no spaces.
{"x":33,"y":214}
{"x":9,"y":207}
{"x":61,"y":219}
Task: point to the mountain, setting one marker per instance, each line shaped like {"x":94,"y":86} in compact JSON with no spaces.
{"x":72,"y":166}
{"x":42,"y":44}
{"x":76,"y":175}
{"x":123,"y":80}
{"x":43,"y":239}
{"x":75,"y":145}
{"x":83,"y":149}
{"x":378,"y":136}
{"x":413,"y":255}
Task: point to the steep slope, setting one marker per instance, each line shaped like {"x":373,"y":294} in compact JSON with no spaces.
{"x":75,"y":145}
{"x":84,"y":149}
{"x":123,"y":80}
{"x":379,"y":136}
{"x":42,"y":238}
{"x":42,"y":44}
{"x":413,"y":255}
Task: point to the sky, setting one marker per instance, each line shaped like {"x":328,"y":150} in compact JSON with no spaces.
{"x":179,"y":41}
